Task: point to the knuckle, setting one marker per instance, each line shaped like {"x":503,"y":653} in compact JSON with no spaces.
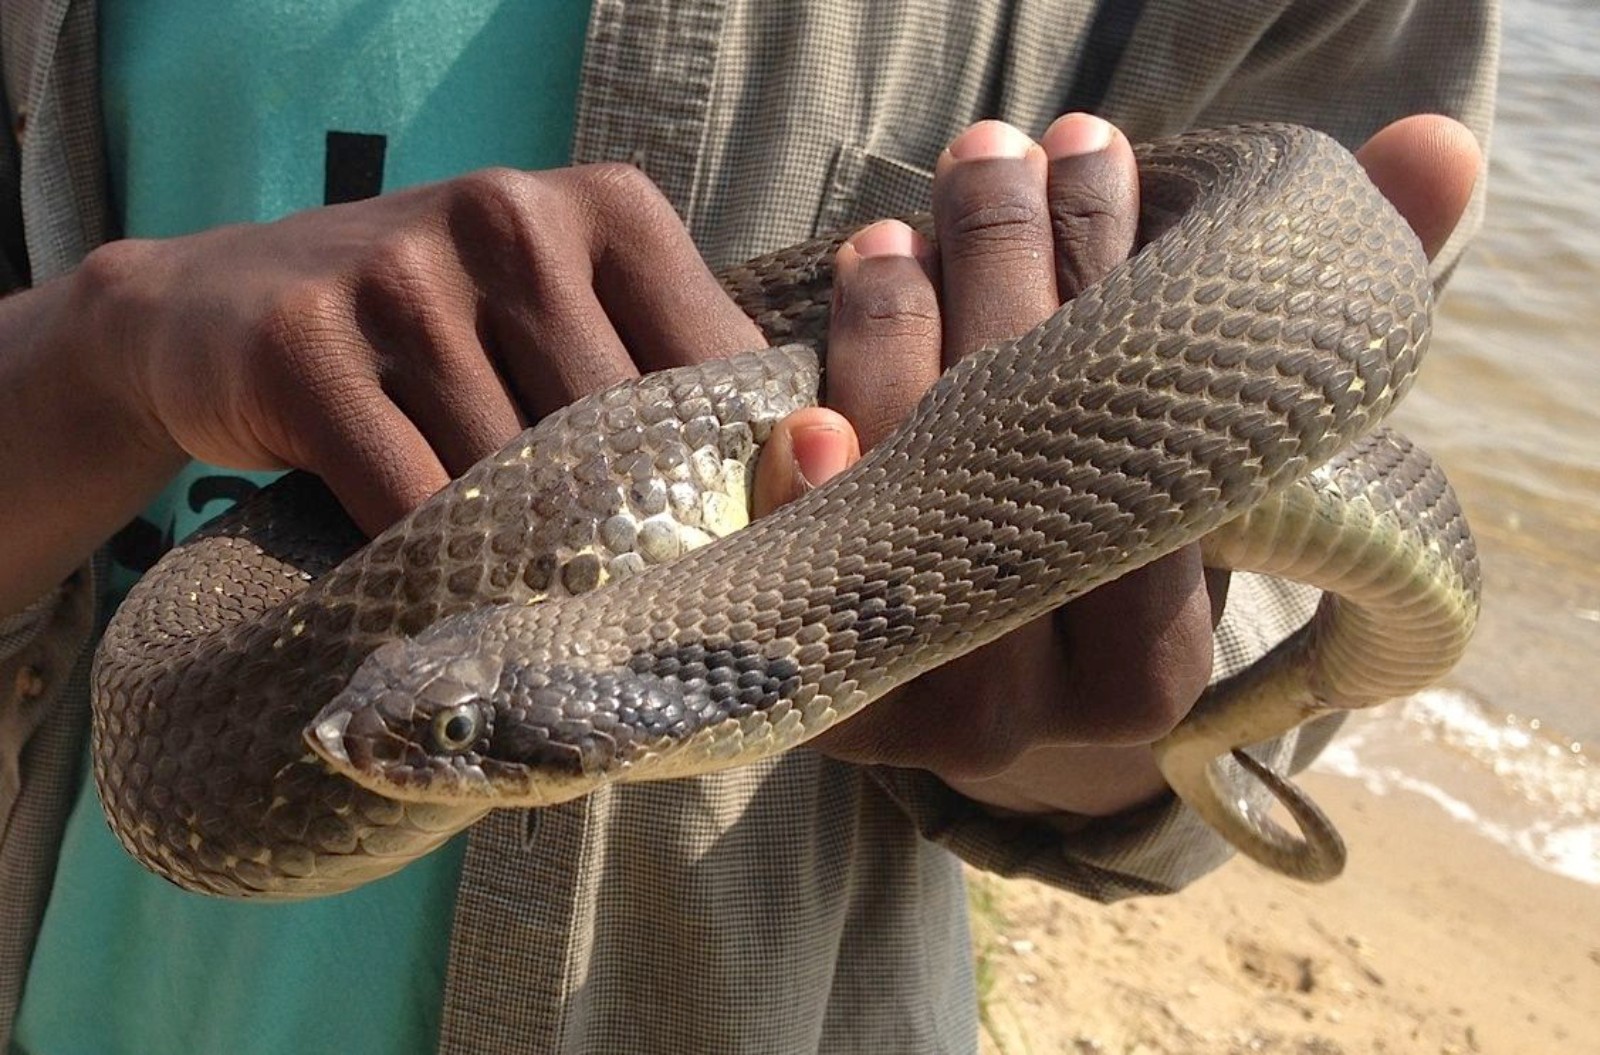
{"x":1150,"y":712}
{"x":1083,"y":225}
{"x":402,"y":284}
{"x":115,"y":272}
{"x":968,"y":732}
{"x":303,"y":337}
{"x":522,"y":227}
{"x":970,"y":763}
{"x":1134,"y":704}
{"x":884,"y":307}
{"x":624,"y":207}
{"x":609,"y":185}
{"x":1006,"y":226}
{"x":1087,"y":248}
{"x":489,"y":211}
{"x":402,"y":275}
{"x":491,"y":192}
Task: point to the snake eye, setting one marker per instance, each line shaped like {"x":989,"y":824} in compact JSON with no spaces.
{"x":456,"y":729}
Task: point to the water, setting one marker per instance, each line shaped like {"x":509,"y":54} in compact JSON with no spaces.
{"x":1505,"y":776}
{"x":1509,"y":402}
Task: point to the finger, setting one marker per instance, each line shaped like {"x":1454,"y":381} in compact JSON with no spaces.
{"x":526,"y":249}
{"x":998,"y":280}
{"x":1093,"y":195}
{"x":884,"y":341}
{"x":995,"y":248}
{"x":806,"y":450}
{"x":650,"y":277}
{"x":370,"y":455}
{"x":434,"y":369}
{"x":1143,"y":641}
{"x":1427,"y":166}
{"x":557,"y":345}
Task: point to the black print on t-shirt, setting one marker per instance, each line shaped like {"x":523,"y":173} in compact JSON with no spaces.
{"x":353,"y":168}
{"x":141,"y":543}
{"x":208,"y":489}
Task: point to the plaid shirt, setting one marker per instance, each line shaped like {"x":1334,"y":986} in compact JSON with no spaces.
{"x":799,"y":904}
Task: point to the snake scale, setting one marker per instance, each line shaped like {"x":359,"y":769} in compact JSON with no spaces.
{"x":281,"y":711}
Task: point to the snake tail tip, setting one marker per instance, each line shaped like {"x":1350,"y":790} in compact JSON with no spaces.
{"x":1318,"y":855}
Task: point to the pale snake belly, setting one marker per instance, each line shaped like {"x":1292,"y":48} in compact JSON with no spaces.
{"x":252,"y":738}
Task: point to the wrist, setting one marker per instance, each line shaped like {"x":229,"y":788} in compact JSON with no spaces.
{"x":76,"y":460}
{"x":99,"y":342}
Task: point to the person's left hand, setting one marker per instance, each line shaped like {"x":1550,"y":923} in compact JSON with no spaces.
{"x":1057,"y":716}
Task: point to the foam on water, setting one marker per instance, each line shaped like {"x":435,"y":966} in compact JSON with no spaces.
{"x":1515,"y":782}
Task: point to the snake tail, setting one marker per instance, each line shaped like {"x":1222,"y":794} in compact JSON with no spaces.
{"x":1380,"y":530}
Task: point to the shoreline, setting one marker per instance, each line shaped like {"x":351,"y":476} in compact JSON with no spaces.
{"x":1434,"y":940}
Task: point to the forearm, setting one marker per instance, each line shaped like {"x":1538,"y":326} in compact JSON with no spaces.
{"x":74,"y":465}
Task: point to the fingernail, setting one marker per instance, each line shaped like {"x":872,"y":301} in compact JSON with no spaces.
{"x":1072,"y":135}
{"x":990,"y":139}
{"x":886,"y":238}
{"x":820,"y":453}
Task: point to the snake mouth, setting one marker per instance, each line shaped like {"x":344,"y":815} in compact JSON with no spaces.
{"x":407,"y":775}
{"x":465,"y":780}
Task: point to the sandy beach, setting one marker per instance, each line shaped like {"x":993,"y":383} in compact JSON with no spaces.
{"x":1434,"y":941}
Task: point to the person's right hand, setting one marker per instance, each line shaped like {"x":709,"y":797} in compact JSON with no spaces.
{"x":389,"y":344}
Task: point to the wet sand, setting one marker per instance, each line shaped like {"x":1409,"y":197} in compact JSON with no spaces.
{"x":1434,"y":941}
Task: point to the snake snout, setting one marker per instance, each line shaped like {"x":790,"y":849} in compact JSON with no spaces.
{"x":325,"y":736}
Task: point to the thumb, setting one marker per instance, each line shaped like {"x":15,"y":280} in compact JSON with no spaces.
{"x":806,"y":449}
{"x":1426,"y":165}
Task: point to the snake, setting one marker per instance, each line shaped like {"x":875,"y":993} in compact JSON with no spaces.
{"x":283,"y":709}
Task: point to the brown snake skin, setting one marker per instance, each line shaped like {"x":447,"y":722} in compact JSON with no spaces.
{"x":1279,"y":309}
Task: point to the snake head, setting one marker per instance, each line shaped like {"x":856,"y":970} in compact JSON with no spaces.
{"x":441,"y":718}
{"x":411,"y":718}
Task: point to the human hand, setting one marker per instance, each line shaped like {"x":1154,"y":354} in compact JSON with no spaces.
{"x":389,"y":344}
{"x":1057,"y":716}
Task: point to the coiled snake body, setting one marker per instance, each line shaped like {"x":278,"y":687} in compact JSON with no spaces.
{"x":279,"y":713}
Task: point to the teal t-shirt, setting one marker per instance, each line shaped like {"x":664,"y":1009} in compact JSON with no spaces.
{"x":223,"y":113}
